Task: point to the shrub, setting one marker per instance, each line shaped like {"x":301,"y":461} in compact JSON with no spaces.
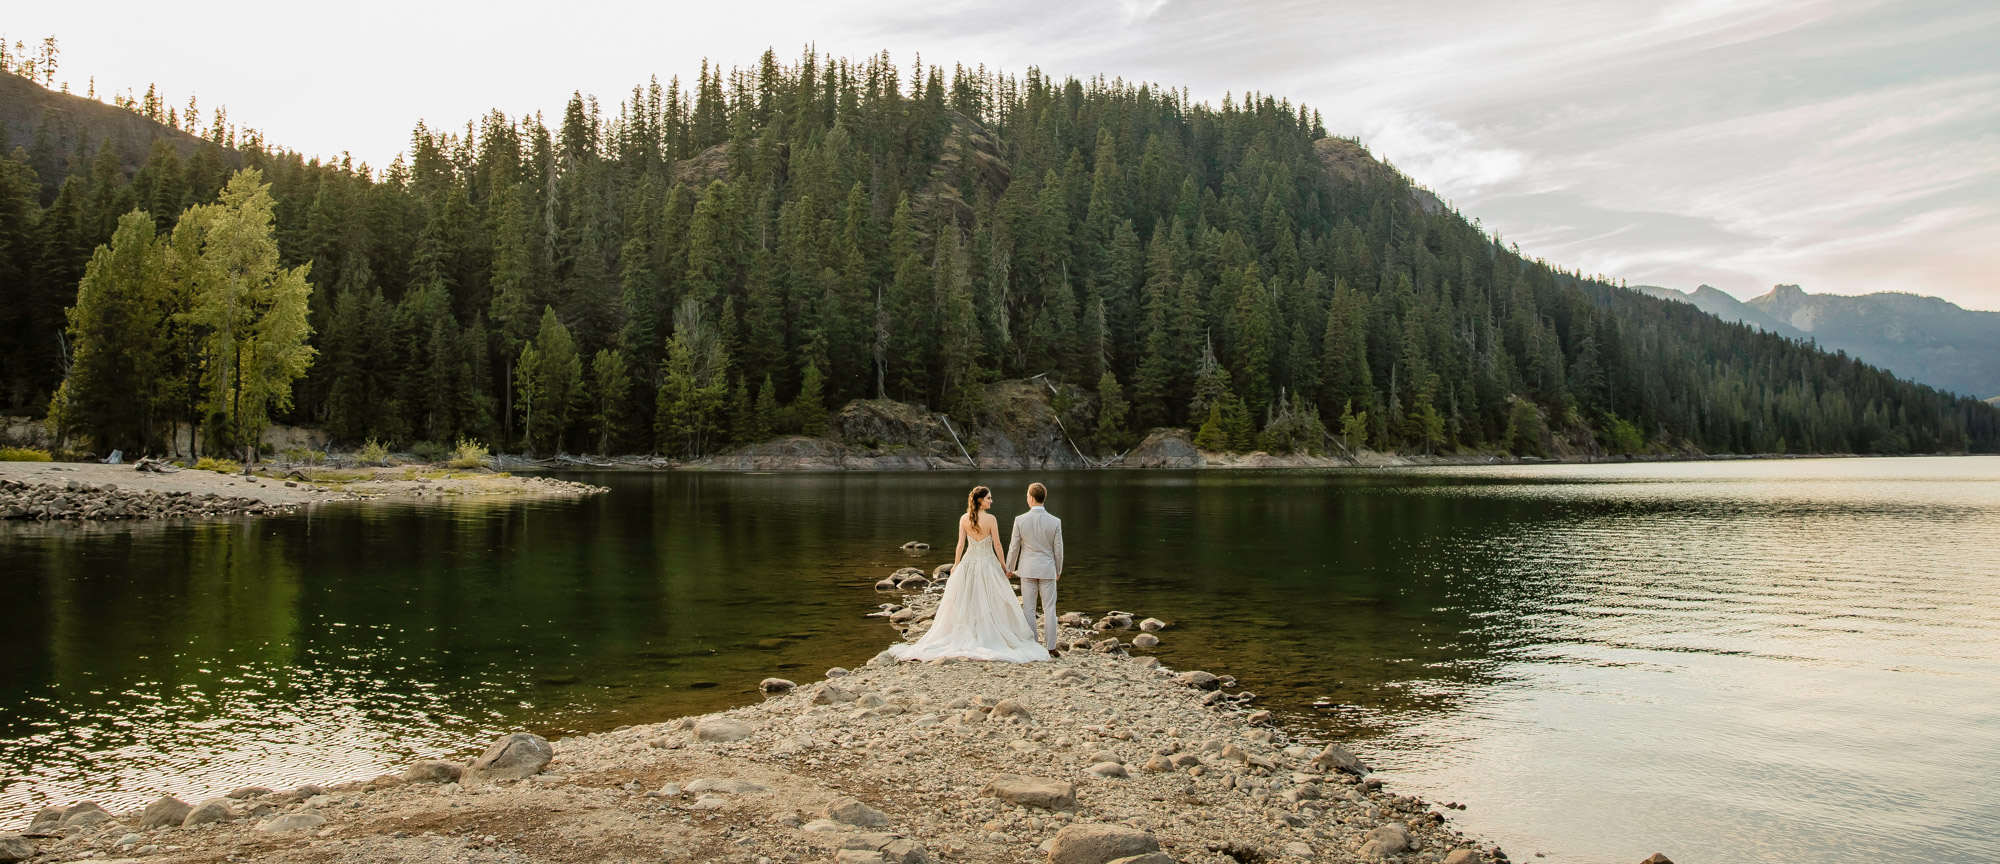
{"x":468,"y":454}
{"x":24,"y":454}
{"x":219,"y":466}
{"x":373,"y":453}
{"x":428,"y":451}
{"x":303,"y":456}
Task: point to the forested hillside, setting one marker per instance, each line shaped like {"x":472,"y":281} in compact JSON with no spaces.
{"x":697,"y":268}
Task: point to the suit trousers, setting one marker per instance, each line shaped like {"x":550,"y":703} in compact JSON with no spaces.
{"x":1046,"y":590}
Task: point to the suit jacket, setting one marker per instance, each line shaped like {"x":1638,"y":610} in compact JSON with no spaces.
{"x":1035,"y":551}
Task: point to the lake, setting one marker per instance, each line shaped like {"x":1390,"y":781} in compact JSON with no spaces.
{"x":1770,"y":660}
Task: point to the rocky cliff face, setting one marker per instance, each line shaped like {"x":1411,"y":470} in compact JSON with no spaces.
{"x":1020,"y":429}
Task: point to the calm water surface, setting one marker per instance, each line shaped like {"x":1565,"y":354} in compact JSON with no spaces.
{"x":1745,"y":661}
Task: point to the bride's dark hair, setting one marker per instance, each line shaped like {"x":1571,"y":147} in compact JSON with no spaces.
{"x":972,"y":503}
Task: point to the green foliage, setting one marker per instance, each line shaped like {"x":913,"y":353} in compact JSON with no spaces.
{"x":468,"y":453}
{"x":809,"y":409}
{"x":548,"y":382}
{"x":219,"y":466}
{"x":24,"y":454}
{"x":303,"y":456}
{"x":1295,"y":428}
{"x":1213,"y":435}
{"x":372,"y":453}
{"x":1625,"y":439}
{"x":1524,"y":429}
{"x":429,"y":451}
{"x":250,"y":311}
{"x":611,"y":389}
{"x":1111,"y":411}
{"x":860,"y":231}
{"x":117,"y":330}
{"x":1353,"y":427}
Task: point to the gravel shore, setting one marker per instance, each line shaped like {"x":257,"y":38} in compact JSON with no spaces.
{"x":1092,"y":757}
{"x":68,"y":491}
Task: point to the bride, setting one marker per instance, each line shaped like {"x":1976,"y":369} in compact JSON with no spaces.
{"x":979,"y":617}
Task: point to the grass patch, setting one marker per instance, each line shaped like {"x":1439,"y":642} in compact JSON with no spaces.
{"x":468,"y":454}
{"x":24,"y":454}
{"x":219,"y":466}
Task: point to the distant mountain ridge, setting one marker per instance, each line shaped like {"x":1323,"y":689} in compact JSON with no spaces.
{"x":1925,"y":339}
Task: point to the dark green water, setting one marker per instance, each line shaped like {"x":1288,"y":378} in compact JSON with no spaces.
{"x":1724,"y":661}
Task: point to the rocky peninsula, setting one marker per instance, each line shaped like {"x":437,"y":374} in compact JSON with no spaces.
{"x":1096,"y":756}
{"x":69,"y":491}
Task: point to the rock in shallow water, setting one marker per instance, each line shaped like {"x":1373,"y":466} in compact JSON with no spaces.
{"x":776,"y":686}
{"x":513,"y":757}
{"x":1199,"y":680}
{"x":1337,"y":758}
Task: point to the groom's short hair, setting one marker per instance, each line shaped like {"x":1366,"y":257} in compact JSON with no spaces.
{"x":1038,"y":492}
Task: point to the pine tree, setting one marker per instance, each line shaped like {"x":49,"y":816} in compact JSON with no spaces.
{"x":809,"y":409}
{"x":610,"y":386}
{"x":115,"y":332}
{"x":549,"y":383}
{"x":1111,"y":410}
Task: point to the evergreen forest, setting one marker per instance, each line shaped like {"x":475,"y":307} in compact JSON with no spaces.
{"x":698,"y":268}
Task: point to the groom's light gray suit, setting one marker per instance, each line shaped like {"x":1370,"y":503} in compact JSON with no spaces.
{"x":1035,"y":553}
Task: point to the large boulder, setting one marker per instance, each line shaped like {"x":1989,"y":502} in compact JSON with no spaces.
{"x":722,"y":729}
{"x":433,"y":771}
{"x":1165,"y":448}
{"x":1099,"y":844}
{"x":1198,"y":680}
{"x":302,"y":820}
{"x":84,"y":815}
{"x":166,"y":812}
{"x":1389,"y":839}
{"x":513,"y":757}
{"x":1031,"y":792}
{"x":851,"y":811}
{"x":14,"y":847}
{"x":1336,"y":758}
{"x":212,"y":810}
{"x":46,"y":820}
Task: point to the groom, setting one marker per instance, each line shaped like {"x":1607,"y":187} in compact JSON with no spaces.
{"x":1035,"y":554}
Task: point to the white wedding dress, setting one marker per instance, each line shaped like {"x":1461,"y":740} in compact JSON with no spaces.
{"x":979,"y":618}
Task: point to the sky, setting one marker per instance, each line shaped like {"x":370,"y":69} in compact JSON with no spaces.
{"x":1847,"y":146}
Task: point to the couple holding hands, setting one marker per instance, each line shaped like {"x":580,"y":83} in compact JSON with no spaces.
{"x":979,"y":617}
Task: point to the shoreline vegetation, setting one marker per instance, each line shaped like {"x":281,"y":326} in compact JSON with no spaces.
{"x":70,"y":491}
{"x":692,"y":272}
{"x":1094,"y":757}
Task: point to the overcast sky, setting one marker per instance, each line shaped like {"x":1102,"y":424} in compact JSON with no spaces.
{"x":1848,"y":147}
